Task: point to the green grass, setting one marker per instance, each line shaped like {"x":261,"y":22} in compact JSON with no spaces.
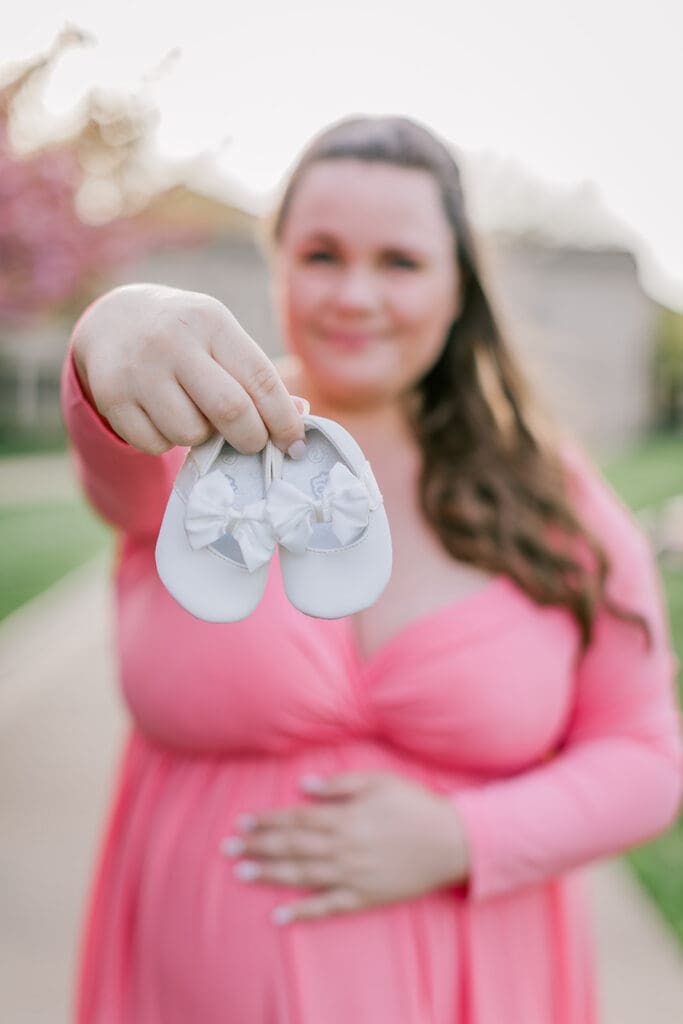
{"x":648,"y":476}
{"x":659,"y":864}
{"x":650,"y":473}
{"x":40,"y":543}
{"x":13,"y":442}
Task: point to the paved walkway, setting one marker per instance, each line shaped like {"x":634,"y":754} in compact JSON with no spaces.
{"x":61,"y":726}
{"x":25,"y":479}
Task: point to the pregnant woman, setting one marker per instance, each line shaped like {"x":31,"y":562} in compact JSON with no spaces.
{"x":500,"y":717}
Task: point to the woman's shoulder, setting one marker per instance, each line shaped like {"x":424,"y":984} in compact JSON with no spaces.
{"x":588,"y":487}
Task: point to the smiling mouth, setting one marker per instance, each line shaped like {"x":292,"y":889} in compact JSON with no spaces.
{"x":348,"y":339}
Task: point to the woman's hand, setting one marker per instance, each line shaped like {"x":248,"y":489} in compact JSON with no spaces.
{"x":169,"y":367}
{"x":387,"y":839}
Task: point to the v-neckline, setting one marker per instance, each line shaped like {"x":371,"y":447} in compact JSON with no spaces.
{"x":465,"y":606}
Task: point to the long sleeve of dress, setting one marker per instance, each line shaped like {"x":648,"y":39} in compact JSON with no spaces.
{"x":617,"y":779}
{"x":127,"y":487}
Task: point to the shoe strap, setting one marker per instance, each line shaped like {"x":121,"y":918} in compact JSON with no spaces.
{"x":272,"y":463}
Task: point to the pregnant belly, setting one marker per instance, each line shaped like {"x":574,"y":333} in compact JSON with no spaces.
{"x":174,"y":936}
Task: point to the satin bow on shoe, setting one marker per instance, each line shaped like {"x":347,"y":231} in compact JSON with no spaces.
{"x":345,"y":504}
{"x":211,"y":514}
{"x":285,"y":516}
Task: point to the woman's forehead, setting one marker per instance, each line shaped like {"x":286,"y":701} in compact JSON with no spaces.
{"x":340,"y":198}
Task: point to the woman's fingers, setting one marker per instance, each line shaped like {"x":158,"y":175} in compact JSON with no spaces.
{"x":302,"y":405}
{"x":175,"y":415}
{"x":311,"y":874}
{"x":223,"y":400}
{"x":337,"y":900}
{"x":134,"y":425}
{"x":284,"y":843}
{"x":248,"y":364}
{"x":169,"y":367}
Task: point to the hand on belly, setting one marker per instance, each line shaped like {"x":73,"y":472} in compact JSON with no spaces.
{"x":373,"y":838}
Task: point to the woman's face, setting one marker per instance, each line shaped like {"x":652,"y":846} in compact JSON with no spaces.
{"x":366,"y":281}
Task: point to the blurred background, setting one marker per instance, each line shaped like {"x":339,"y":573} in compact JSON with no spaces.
{"x":138,"y":143}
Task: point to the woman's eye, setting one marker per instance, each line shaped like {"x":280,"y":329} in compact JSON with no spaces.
{"x":403,"y":262}
{"x":324,"y":256}
{"x":317,"y":256}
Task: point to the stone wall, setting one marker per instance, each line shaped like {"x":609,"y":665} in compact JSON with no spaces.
{"x":585,"y":328}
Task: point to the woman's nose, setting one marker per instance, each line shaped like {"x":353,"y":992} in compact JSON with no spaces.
{"x":357,"y":289}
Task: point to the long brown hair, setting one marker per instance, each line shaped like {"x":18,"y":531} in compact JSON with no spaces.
{"x":495,"y":494}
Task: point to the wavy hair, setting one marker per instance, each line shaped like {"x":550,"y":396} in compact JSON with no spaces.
{"x":493,"y":491}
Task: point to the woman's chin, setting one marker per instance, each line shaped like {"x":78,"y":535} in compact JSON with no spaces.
{"x":348,"y":380}
{"x":351,"y":387}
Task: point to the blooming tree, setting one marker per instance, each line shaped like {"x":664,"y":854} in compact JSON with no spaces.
{"x":50,"y":258}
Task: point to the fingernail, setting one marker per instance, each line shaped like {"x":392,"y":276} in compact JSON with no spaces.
{"x":281,"y":915}
{"x":313,"y":782}
{"x":302,"y":405}
{"x":247,"y":870}
{"x":246,"y":822}
{"x":297,"y":450}
{"x":233,"y":846}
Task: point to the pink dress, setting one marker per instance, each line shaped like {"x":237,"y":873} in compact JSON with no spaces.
{"x":550,"y":761}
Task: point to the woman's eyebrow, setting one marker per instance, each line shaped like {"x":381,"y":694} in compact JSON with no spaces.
{"x":407,"y":250}
{"x":321,"y":236}
{"x":325,"y":238}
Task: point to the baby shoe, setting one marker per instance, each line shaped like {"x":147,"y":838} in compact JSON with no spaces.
{"x":215,"y":541}
{"x":329,"y":519}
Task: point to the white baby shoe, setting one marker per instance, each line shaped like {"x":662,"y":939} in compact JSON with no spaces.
{"x":329,"y":519}
{"x":215,"y":541}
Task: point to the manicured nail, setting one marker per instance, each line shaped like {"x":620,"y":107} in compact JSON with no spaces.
{"x":233,"y":846}
{"x":246,"y":822}
{"x":297,"y":450}
{"x":281,"y":915}
{"x":247,"y":869}
{"x":302,"y":405}
{"x":312,"y":782}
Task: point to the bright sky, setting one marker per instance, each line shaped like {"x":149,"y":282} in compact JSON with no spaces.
{"x":574,"y":93}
